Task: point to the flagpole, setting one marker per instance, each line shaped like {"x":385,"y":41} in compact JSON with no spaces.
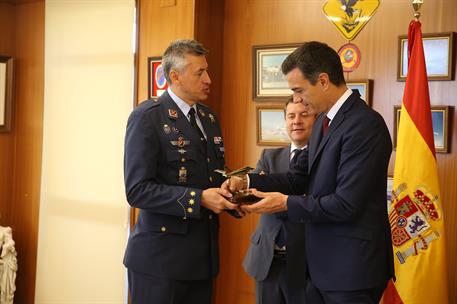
{"x":417,"y":7}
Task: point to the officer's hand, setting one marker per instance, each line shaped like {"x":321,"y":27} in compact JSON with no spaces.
{"x":215,"y":200}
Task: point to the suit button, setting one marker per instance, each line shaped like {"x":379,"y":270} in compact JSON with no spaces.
{"x":210,"y":216}
{"x":190,"y":210}
{"x":183,"y":160}
{"x":163,"y":229}
{"x":211,"y":179}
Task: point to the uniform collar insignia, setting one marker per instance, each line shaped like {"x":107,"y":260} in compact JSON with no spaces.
{"x":172,"y":113}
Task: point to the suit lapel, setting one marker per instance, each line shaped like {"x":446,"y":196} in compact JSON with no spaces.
{"x":320,"y":140}
{"x":284,"y":158}
{"x":315,"y":140}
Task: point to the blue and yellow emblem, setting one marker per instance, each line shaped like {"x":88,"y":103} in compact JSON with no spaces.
{"x":350,"y":16}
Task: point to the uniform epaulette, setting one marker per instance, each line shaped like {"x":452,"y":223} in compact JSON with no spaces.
{"x":207,"y":108}
{"x":148,"y":104}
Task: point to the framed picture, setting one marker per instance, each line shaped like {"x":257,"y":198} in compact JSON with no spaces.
{"x":439,"y":56}
{"x":364,"y":87}
{"x":268,"y":81}
{"x":271,"y":126}
{"x":157,"y":84}
{"x":440,"y":121}
{"x":6,"y":93}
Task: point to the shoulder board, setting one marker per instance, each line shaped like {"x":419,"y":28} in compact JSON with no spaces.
{"x":147,"y":105}
{"x":207,"y":108}
{"x":204,"y":106}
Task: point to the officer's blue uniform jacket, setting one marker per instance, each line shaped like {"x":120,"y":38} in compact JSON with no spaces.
{"x":167,"y":166}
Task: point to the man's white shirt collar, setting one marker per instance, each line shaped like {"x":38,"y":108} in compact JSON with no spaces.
{"x":182,"y":105}
{"x":293,"y":147}
{"x":336,"y":107}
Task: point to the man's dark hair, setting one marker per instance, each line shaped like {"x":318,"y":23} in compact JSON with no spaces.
{"x":290,"y":99}
{"x":314,"y":58}
{"x":174,"y":56}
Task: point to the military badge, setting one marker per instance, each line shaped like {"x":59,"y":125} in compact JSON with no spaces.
{"x":181,"y":142}
{"x":211,"y":117}
{"x":182,"y":175}
{"x":202,"y":113}
{"x":350,"y":57}
{"x":172,"y":113}
{"x":217,"y":140}
{"x":411,"y":218}
{"x":350,"y":16}
{"x":166,"y":129}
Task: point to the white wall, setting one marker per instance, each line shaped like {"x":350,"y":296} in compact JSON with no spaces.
{"x":88,"y":96}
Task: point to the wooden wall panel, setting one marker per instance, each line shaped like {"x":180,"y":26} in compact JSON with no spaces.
{"x":160,"y":24}
{"x":23,"y":213}
{"x":209,"y":19}
{"x":6,"y":139}
{"x":248,"y":23}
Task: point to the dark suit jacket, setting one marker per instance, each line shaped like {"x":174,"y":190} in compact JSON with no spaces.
{"x":348,"y":242}
{"x":166,"y":167}
{"x":260,"y":252}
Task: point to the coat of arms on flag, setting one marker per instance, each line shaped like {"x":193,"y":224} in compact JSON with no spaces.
{"x":410,"y":220}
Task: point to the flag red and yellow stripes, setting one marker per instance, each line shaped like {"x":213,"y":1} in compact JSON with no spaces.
{"x":416,"y":214}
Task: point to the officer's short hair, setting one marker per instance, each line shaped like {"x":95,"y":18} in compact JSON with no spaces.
{"x":174,"y":56}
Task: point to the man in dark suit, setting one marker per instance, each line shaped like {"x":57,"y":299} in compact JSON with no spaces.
{"x":343,"y":174}
{"x":275,"y":258}
{"x":172,"y":147}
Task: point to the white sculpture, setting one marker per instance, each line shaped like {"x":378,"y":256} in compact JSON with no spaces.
{"x":8,"y":266}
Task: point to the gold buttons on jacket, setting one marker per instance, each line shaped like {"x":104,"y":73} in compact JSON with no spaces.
{"x":208,"y":160}
{"x":191,"y":201}
{"x":211,"y":179}
{"x":192,"y":193}
{"x":163,"y":229}
{"x":190,"y":210}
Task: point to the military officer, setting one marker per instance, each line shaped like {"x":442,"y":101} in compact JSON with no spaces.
{"x":172,"y":147}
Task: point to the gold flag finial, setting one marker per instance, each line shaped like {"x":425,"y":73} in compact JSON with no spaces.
{"x":417,"y":7}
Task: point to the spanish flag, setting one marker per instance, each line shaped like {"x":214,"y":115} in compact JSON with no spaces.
{"x":416,"y":215}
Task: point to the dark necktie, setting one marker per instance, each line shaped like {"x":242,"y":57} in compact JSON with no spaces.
{"x":193,"y":122}
{"x":296,"y":154}
{"x":325,"y":124}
